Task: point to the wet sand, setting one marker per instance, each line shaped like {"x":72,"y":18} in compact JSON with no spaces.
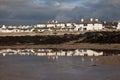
{"x":70,"y":46}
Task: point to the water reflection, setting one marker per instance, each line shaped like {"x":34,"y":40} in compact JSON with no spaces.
{"x":50,"y":52}
{"x":55,"y":52}
{"x":53,"y":64}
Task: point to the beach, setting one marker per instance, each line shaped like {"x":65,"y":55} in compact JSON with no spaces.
{"x":70,"y":46}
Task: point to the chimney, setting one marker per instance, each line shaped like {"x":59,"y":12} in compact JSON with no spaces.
{"x":104,"y":22}
{"x":53,"y":21}
{"x":91,"y":19}
{"x":56,"y":21}
{"x":82,"y":20}
{"x":96,"y":20}
{"x":48,"y":22}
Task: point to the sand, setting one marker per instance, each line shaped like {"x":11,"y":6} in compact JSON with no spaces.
{"x":70,"y":46}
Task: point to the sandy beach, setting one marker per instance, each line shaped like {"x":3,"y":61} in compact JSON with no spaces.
{"x":70,"y":46}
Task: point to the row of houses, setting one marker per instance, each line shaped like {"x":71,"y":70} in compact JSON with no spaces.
{"x":73,"y":26}
{"x":20,"y":28}
{"x":83,"y":25}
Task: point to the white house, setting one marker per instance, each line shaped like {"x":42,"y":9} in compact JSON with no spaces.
{"x":60,"y":25}
{"x":41,"y":25}
{"x":3,"y":27}
{"x":51,"y":25}
{"x":78,"y":27}
{"x":69,"y":24}
{"x":118,"y":26}
{"x":88,"y":25}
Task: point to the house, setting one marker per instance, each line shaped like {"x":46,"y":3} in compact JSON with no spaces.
{"x":110,"y":25}
{"x":118,"y":26}
{"x":94,"y":25}
{"x":43,"y":29}
{"x":69,"y":24}
{"x":3,"y":27}
{"x":51,"y":25}
{"x":90,"y":25}
{"x":41,"y":25}
{"x":60,"y":25}
{"x":78,"y":26}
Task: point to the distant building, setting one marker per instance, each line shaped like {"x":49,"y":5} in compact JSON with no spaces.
{"x":110,"y":25}
{"x":89,"y":25}
{"x":118,"y":26}
{"x":53,"y":25}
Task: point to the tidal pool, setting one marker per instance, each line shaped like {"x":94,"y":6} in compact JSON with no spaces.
{"x":54,"y":64}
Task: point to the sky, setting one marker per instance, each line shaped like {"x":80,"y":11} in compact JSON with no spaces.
{"x":29,"y":12}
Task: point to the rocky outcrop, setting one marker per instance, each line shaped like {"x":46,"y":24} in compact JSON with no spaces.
{"x":102,"y":37}
{"x":53,"y":39}
{"x":89,"y":37}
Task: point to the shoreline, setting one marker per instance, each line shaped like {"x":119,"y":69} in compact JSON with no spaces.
{"x":68,"y":46}
{"x":49,"y":33}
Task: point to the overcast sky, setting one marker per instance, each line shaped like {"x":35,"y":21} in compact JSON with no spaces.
{"x":15,"y":12}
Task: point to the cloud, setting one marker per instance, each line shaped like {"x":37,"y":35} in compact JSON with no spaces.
{"x":35,"y":11}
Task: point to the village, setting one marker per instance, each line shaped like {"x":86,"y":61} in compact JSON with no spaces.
{"x":53,"y":25}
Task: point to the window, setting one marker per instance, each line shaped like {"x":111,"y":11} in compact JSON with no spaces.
{"x":84,"y":28}
{"x":85,"y":24}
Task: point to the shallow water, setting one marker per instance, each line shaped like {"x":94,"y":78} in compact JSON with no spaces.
{"x":53,"y":64}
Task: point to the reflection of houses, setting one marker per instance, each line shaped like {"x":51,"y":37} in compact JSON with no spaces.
{"x":88,"y":53}
{"x":50,"y":52}
{"x":54,"y":53}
